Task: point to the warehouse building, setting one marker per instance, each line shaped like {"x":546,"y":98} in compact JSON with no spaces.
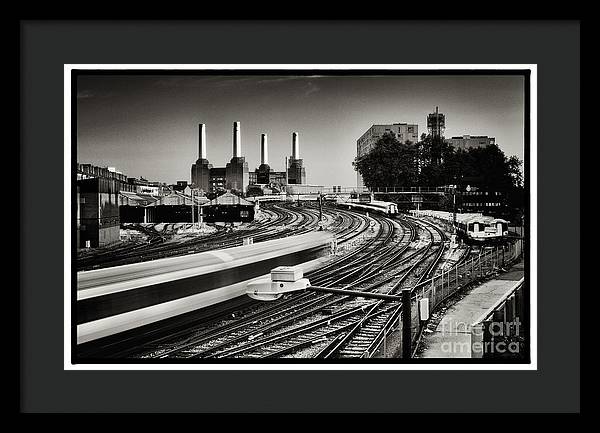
{"x":228,"y":208}
{"x":175,"y":207}
{"x":133,"y":207}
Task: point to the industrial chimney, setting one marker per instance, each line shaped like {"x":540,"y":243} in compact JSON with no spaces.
{"x":202,"y":142}
{"x":295,"y":146}
{"x":264,"y":151}
{"x":237,"y":143}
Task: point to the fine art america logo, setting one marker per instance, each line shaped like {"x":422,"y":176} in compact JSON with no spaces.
{"x":496,"y":339}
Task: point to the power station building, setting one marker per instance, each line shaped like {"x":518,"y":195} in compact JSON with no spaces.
{"x":236,"y":175}
{"x":296,"y":172}
{"x":201,"y":169}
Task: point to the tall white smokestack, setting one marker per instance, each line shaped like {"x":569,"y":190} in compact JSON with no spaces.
{"x":237,"y":142}
{"x":264,"y":150}
{"x":202,"y":142}
{"x":295,"y":146}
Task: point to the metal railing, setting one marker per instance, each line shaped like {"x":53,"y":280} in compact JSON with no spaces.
{"x":411,"y":189}
{"x":439,"y":288}
{"x":384,"y":189}
{"x":452,"y":279}
{"x":442,"y":286}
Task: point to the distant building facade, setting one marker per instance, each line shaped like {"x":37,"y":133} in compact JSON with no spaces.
{"x":88,"y":171}
{"x":216,"y":180}
{"x":471,"y":141}
{"x":402,"y":131}
{"x":144,"y":186}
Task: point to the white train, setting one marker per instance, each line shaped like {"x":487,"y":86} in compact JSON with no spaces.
{"x":381,"y":207}
{"x":120,"y":298}
{"x":472,"y":227}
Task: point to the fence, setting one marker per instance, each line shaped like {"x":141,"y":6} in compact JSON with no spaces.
{"x":385,"y":189}
{"x":442,"y":286}
{"x":411,"y":189}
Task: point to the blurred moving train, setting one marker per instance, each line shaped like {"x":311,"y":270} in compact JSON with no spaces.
{"x":120,"y":298}
{"x":380,"y":207}
{"x":472,"y":227}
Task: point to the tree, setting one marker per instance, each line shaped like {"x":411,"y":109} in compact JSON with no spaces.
{"x":433,"y":162}
{"x":514,"y":169}
{"x":389,"y":163}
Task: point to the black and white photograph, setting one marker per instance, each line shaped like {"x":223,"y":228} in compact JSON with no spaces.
{"x":369,"y":212}
{"x":377,"y":216}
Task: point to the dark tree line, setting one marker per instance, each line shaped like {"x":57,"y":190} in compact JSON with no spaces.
{"x":433,"y":162}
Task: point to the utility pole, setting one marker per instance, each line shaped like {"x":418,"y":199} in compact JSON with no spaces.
{"x":192,"y":193}
{"x":320,"y":213}
{"x":199,"y":212}
{"x":454,"y":209}
{"x":406,"y":324}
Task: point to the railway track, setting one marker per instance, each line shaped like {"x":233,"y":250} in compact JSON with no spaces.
{"x":347,"y":225}
{"x":284,"y":221}
{"x":402,"y":253}
{"x":351,"y":330}
{"x":310,"y":318}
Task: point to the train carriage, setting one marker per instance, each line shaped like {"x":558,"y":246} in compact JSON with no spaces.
{"x":375,"y":206}
{"x":482,"y":229}
{"x":474,"y":228}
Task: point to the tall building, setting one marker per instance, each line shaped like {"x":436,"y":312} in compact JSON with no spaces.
{"x":236,"y":170}
{"x":470,"y":141}
{"x":403,"y":132}
{"x":263,"y":171}
{"x":436,"y":123}
{"x":201,"y":169}
{"x":295,"y":169}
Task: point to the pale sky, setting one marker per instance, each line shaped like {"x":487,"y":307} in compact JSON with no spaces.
{"x":148,"y":125}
